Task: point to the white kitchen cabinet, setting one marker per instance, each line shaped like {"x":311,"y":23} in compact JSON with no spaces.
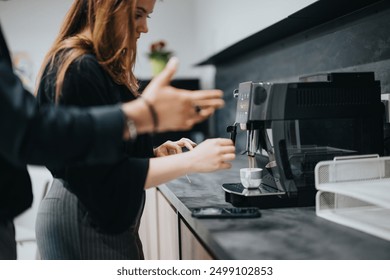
{"x":148,"y":229}
{"x":164,"y":235}
{"x":168,"y":235}
{"x":191,"y":248}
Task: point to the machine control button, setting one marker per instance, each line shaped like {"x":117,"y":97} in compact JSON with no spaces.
{"x":235,"y":93}
{"x":260,"y":95}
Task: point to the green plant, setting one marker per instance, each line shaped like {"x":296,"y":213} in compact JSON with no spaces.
{"x":158,"y":51}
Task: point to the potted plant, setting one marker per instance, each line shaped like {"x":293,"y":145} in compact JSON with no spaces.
{"x":158,"y":56}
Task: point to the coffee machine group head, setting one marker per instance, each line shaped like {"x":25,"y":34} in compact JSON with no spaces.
{"x":251,"y":103}
{"x":290,"y":127}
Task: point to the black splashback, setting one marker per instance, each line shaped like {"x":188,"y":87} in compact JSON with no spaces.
{"x":358,"y":42}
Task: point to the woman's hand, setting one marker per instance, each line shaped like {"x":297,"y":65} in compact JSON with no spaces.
{"x":212,"y":155}
{"x":174,"y":147}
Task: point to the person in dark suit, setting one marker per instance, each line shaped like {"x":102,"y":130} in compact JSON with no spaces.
{"x":93,"y":211}
{"x":26,"y":134}
{"x":69,"y":135}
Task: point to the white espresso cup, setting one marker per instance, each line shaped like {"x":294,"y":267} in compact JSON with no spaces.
{"x":251,"y":177}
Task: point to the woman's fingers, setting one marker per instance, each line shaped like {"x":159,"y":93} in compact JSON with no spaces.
{"x":199,"y":95}
{"x":225,"y":165}
{"x":167,"y":74}
{"x":173,"y":148}
{"x":225,"y":142}
{"x":176,"y":147}
{"x":185,"y":142}
{"x":228,"y":157}
{"x":214,"y":103}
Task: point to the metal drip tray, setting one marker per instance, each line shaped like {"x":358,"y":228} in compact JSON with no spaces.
{"x":238,"y":188}
{"x":263,"y":197}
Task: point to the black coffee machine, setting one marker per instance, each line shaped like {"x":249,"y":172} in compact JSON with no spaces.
{"x":292,"y":126}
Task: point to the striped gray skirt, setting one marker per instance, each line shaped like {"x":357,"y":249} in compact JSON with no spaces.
{"x":63,"y":231}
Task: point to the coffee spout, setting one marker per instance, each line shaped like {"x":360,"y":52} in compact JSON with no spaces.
{"x":252,"y":145}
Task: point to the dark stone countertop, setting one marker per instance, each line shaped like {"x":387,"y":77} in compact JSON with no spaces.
{"x":286,"y":233}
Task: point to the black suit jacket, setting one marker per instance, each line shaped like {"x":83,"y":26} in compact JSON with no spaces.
{"x":46,"y":136}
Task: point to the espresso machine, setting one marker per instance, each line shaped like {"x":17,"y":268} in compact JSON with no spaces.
{"x":290,"y":127}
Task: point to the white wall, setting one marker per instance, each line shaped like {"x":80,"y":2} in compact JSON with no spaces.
{"x":197,"y":29}
{"x":174,"y":22}
{"x":193,"y":29}
{"x":221,"y":23}
{"x":31,"y":26}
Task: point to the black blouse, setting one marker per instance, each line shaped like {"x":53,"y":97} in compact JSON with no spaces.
{"x":112,"y":193}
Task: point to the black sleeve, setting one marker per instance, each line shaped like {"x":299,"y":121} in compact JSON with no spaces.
{"x":15,"y":190}
{"x":50,"y":135}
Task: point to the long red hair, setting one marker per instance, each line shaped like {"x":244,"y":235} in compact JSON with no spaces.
{"x":113,"y":42}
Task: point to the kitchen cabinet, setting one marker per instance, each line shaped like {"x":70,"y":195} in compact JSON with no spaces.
{"x":191,"y":248}
{"x":165,"y":235}
{"x":148,"y":227}
{"x":167,"y":229}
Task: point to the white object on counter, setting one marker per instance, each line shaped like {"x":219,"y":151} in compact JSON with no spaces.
{"x":355,"y":192}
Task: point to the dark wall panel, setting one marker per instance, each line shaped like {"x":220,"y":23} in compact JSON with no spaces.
{"x":347,"y":44}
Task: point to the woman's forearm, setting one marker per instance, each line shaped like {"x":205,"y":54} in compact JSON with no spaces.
{"x":208,"y":156}
{"x":164,"y":169}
